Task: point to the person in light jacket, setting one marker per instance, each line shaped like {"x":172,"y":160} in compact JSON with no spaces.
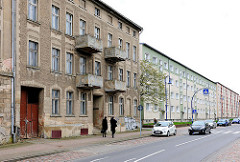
{"x":113,"y":126}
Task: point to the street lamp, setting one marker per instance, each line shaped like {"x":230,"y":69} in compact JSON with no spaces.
{"x":169,"y":82}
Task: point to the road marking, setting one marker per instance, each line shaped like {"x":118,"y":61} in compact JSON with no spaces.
{"x":98,"y":159}
{"x":190,"y":141}
{"x":217,"y":132}
{"x":236,"y":132}
{"x":130,"y":159}
{"x":150,"y":155}
{"x":227,"y":132}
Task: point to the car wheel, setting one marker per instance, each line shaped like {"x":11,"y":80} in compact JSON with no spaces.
{"x":204,"y":131}
{"x":175,"y":133}
{"x":168,"y":134}
{"x":210,"y":132}
{"x":190,"y":133}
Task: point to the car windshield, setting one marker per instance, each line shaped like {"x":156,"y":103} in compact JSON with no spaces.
{"x":209,"y":121}
{"x":222,"y":120}
{"x":235,"y":119}
{"x":162,"y":124}
{"x":198,"y":123}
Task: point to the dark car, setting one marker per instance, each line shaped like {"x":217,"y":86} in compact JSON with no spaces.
{"x":236,"y":120}
{"x":200,"y":127}
{"x":223,"y":122}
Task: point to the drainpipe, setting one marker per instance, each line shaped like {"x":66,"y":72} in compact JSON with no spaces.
{"x":13,"y":68}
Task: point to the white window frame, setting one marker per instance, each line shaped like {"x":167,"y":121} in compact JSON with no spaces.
{"x":83,"y":103}
{"x":69,"y":103}
{"x":109,"y":40}
{"x":134,"y":53}
{"x":82,"y":26}
{"x":69,"y":24}
{"x":97,"y":32}
{"x":69,"y":63}
{"x":82,"y":62}
{"x":110,"y":72}
{"x":128,"y":49}
{"x":33,"y":54}
{"x":55,"y":102}
{"x":55,"y":60}
{"x":32,"y":10}
{"x":55,"y":17}
{"x":121,"y":106}
{"x":110,"y":105}
{"x":97,"y":68}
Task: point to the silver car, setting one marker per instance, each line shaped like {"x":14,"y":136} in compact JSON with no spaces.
{"x":212,"y":123}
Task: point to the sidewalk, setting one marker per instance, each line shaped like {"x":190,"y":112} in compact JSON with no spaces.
{"x":39,"y":147}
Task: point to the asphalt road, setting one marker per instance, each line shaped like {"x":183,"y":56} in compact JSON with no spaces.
{"x":180,"y":148}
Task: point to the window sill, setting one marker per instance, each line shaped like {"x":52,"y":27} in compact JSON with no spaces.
{"x":83,"y":115}
{"x":33,"y":22}
{"x":55,"y":115}
{"x":97,"y":16}
{"x":70,"y":36}
{"x":33,"y":67}
{"x":69,"y":115}
{"x":56,"y":72}
{"x":56,"y":31}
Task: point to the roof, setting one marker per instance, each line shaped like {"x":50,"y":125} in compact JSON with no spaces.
{"x":226,"y":87}
{"x":177,"y":62}
{"x":117,"y":14}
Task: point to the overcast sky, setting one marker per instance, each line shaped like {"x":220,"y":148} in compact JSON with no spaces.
{"x":204,"y":35}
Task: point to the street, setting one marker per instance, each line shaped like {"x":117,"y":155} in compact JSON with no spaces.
{"x":182,"y":147}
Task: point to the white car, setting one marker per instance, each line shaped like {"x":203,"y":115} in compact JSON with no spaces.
{"x":165,"y":128}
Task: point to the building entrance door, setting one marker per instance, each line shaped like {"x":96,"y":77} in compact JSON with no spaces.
{"x":97,"y":111}
{"x":29,"y":112}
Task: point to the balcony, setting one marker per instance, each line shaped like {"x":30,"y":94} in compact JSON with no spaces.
{"x":89,"y":81}
{"x":115,"y":86}
{"x":114,"y":54}
{"x":88,"y":44}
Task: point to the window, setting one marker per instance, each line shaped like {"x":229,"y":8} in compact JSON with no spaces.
{"x":110,"y":105}
{"x":127,"y":49}
{"x":172,"y":95}
{"x":165,"y":65}
{"x":97,"y":33}
{"x":69,"y":23}
{"x":147,"y":57}
{"x":55,"y":102}
{"x":120,"y":75}
{"x":119,"y":25}
{"x":135,"y":80}
{"x":128,"y":78}
{"x":177,"y":109}
{"x":83,"y":3}
{"x":154,"y":60}
{"x":55,"y":17}
{"x":82,"y":65}
{"x":55,"y":59}
{"x":134,"y":53}
{"x":155,"y":107}
{"x":120,"y":43}
{"x":69,"y":103}
{"x":128,"y":30}
{"x":134,"y":33}
{"x":32,"y":10}
{"x":97,"y":11}
{"x":176,"y":83}
{"x":82,"y":27}
{"x":83,"y":104}
{"x":69,"y":63}
{"x":109,"y":40}
{"x":97,"y":68}
{"x":147,"y":106}
{"x":121,"y":106}
{"x":176,"y":70}
{"x":33,"y":53}
{"x":177,"y":96}
{"x":135,"y":107}
{"x":172,"y":109}
{"x":110,"y":73}
{"x":171,"y":68}
{"x":109,"y":19}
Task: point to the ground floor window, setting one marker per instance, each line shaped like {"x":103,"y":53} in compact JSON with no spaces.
{"x":83,"y":104}
{"x":55,"y":102}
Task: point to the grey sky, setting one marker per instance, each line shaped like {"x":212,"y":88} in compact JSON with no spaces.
{"x":202,"y":34}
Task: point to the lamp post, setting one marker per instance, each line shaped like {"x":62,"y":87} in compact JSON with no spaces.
{"x":169,"y":82}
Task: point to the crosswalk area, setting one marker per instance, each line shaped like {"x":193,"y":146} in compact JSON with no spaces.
{"x":226,"y":132}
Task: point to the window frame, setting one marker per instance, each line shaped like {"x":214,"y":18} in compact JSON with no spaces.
{"x":69,"y":63}
{"x":121,"y":106}
{"x":31,"y":6}
{"x":134,"y":53}
{"x":33,"y":53}
{"x":97,"y":32}
{"x":97,"y":68}
{"x":110,"y":105}
{"x":55,"y":99}
{"x":55,"y":17}
{"x":69,"y":103}
{"x":83,"y":103}
{"x":82,"y":27}
{"x":82,"y":65}
{"x":109,"y":40}
{"x":55,"y":60}
{"x":70,"y":23}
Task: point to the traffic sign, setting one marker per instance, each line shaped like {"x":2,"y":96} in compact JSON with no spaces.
{"x":194,"y":111}
{"x":205,"y":91}
{"x":140,"y":108}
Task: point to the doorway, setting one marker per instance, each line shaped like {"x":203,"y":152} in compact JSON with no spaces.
{"x":29,"y":109}
{"x":97,"y":111}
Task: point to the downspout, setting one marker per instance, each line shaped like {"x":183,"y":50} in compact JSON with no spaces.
{"x":13,"y":68}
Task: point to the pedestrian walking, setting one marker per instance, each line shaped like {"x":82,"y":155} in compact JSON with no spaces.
{"x":113,"y":126}
{"x":104,"y":127}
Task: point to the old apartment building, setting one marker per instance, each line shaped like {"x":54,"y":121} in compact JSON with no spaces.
{"x":76,"y":62}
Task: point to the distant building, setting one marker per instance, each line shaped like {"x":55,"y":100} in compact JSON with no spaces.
{"x":227,"y":102}
{"x":185,"y":82}
{"x":76,"y":62}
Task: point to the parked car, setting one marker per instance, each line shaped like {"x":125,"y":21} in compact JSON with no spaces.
{"x":212,"y":124}
{"x":236,"y":120}
{"x":223,"y":122}
{"x":165,"y":128}
{"x":201,"y":127}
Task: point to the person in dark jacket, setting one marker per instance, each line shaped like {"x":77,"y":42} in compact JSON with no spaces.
{"x":113,"y":126}
{"x":104,"y":127}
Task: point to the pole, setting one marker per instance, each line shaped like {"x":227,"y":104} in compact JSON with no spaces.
{"x":140,"y":123}
{"x":166,"y":95}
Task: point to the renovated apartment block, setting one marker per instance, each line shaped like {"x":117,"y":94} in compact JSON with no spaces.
{"x":184,"y":83}
{"x":76,"y":62}
{"x":227,"y":102}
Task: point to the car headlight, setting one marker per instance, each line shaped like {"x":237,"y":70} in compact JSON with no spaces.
{"x":190,"y":128}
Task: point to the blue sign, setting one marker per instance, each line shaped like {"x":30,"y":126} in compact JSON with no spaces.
{"x":205,"y":91}
{"x":140,"y":107}
{"x":194,"y":111}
